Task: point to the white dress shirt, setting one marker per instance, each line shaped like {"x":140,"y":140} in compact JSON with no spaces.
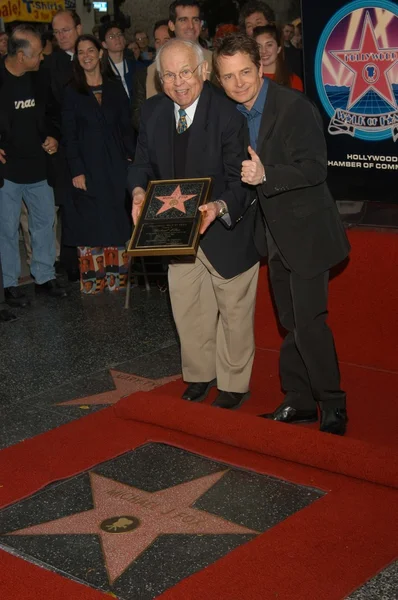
{"x":190,"y":112}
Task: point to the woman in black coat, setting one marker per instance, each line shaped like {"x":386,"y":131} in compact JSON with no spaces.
{"x":99,"y":142}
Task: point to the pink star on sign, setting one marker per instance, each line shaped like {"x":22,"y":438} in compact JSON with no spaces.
{"x":175,"y":200}
{"x":140,"y":517}
{"x":370,"y":65}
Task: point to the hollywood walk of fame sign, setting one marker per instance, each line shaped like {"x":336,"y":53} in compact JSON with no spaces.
{"x":128,"y":520}
{"x":351,"y":73}
{"x":126,"y":384}
{"x":170,"y":219}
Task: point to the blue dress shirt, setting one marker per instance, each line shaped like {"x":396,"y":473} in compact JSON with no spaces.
{"x":255,"y":114}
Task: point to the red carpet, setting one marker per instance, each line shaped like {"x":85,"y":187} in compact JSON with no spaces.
{"x":323,"y":552}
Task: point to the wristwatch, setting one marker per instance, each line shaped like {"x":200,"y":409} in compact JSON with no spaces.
{"x":223,"y":208}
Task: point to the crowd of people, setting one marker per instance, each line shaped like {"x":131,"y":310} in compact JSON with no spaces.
{"x":88,"y":126}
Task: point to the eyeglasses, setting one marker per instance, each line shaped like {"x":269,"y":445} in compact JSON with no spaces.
{"x":185,"y":74}
{"x":115,"y":36}
{"x":65,"y":31}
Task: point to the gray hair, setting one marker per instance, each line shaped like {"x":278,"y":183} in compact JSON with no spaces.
{"x":19,"y":40}
{"x":174,"y":42}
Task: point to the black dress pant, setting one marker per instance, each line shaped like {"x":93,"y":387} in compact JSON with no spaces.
{"x":309,"y":369}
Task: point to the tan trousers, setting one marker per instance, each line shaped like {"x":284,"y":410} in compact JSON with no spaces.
{"x":26,"y":235}
{"x":215,"y":322}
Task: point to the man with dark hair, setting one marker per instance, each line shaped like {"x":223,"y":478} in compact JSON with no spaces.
{"x":254,"y":14}
{"x":161,"y":33}
{"x":288,"y":33}
{"x":304,"y":237}
{"x":190,"y":131}
{"x":124,"y":69}
{"x":185,"y":22}
{"x":147,"y":52}
{"x":28,"y":136}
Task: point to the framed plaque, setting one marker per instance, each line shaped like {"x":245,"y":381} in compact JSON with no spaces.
{"x":170,"y":219}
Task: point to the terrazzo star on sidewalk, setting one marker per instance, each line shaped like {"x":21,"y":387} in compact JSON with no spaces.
{"x":298,"y":226}
{"x":193,"y":130}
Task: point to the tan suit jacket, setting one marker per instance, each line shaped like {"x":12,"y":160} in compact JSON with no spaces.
{"x":153,"y":85}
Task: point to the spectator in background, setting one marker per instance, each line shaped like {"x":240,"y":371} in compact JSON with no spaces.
{"x":161,"y":33}
{"x":185,"y":22}
{"x":288,"y":33}
{"x":257,"y":14}
{"x":99,"y":142}
{"x":114,"y":42}
{"x":269,"y":41}
{"x":29,"y":137}
{"x":3,"y":43}
{"x":135,"y":49}
{"x":146,"y":51}
{"x":96,"y":31}
{"x":297,"y":39}
{"x":47,"y":39}
{"x":254,"y":14}
{"x":66,"y":28}
{"x":205,"y":36}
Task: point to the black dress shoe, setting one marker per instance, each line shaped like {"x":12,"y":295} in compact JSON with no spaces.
{"x":289,"y":414}
{"x":73,"y":276}
{"x":52,"y":288}
{"x":334,"y":420}
{"x":59,"y":270}
{"x":6,"y":316}
{"x":15,"y":297}
{"x":231,"y":400}
{"x":198,"y":391}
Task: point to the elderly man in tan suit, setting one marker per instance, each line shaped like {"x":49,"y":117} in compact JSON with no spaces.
{"x":185,"y":21}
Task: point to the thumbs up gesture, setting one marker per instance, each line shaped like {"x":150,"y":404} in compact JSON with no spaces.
{"x":252,"y":170}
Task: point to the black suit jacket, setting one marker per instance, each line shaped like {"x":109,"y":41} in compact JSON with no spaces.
{"x":215,"y":149}
{"x":295,"y":200}
{"x":59,"y":68}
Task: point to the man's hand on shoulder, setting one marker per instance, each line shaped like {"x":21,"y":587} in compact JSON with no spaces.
{"x":138,"y":201}
{"x":253,"y":171}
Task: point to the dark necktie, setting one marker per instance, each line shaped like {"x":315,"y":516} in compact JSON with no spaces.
{"x":182,"y":122}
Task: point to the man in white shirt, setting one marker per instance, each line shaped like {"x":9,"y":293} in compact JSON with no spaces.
{"x":190,"y":131}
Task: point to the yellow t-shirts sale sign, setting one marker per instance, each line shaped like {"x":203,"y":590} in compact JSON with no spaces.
{"x":29,"y":10}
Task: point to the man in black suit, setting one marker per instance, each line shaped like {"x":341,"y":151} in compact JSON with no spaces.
{"x":287,"y":167}
{"x":66,"y":27}
{"x":193,"y":130}
{"x":59,"y":65}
